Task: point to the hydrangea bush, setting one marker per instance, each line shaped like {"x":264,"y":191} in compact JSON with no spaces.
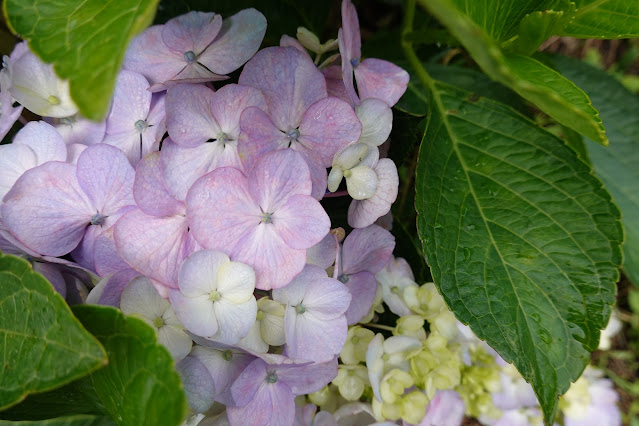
{"x":228,"y":242}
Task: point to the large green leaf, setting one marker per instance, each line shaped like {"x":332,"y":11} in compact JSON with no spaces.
{"x":555,"y":95}
{"x":84,"y":39}
{"x":618,"y":164}
{"x":140,"y":385}
{"x":604,"y":19}
{"x":43,"y":346}
{"x":81,"y":420}
{"x":522,"y":240}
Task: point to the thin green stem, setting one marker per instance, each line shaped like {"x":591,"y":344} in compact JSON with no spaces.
{"x":379,"y":326}
{"x":409,"y":51}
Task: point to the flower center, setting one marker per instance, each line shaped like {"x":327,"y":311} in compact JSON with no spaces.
{"x":158,"y":322}
{"x":343,"y":278}
{"x":222,"y":138}
{"x":215,"y":296}
{"x":355,"y":62}
{"x":189,"y":56}
{"x":300,"y":309}
{"x":140,"y":125}
{"x":54,"y":100}
{"x":271,"y":377}
{"x":260,"y":315}
{"x":347,"y":173}
{"x":98,"y":219}
{"x":293,"y":134}
{"x":267,"y":218}
{"x":394,"y":289}
{"x":227,"y":355}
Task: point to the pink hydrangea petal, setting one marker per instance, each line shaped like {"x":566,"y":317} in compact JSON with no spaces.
{"x":195,"y":313}
{"x":149,"y":55}
{"x":199,"y":272}
{"x":107,"y":260}
{"x":272,"y":405}
{"x":350,"y":31}
{"x":131,"y":102}
{"x":327,"y":298}
{"x":327,"y":127}
{"x":112,"y":291}
{"x":274,"y":262}
{"x":53,"y":275}
{"x":323,"y":254}
{"x":193,"y":31}
{"x":73,"y":152}
{"x":294,"y":292}
{"x":445,"y":409}
{"x":367,"y":249}
{"x":235,"y":321}
{"x":46,"y":209}
{"x":258,"y":136}
{"x":311,"y":338}
{"x":8,"y":114}
{"x":237,"y":42}
{"x":194,"y":73}
{"x":335,"y":84}
{"x":347,"y":69}
{"x":308,"y":378}
{"x":181,"y":166}
{"x":14,"y":161}
{"x":106,"y":176}
{"x":229,"y":102}
{"x":79,"y":130}
{"x":189,"y":120}
{"x":276,"y":177}
{"x":362,"y":286}
{"x":288,"y":41}
{"x":130,"y":143}
{"x":365,"y":212}
{"x":220,"y":209}
{"x":198,"y":384}
{"x":153,"y":246}
{"x":44,"y":140}
{"x":381,"y":79}
{"x":290,"y":81}
{"x":149,"y":190}
{"x":248,"y":382}
{"x":301,"y":222}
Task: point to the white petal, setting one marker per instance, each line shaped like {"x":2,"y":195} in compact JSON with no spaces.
{"x":140,"y":297}
{"x":362,"y":182}
{"x":377,"y":121}
{"x":198,"y":274}
{"x":235,"y":320}
{"x":176,"y":341}
{"x":236,"y":282}
{"x":196,"y":314}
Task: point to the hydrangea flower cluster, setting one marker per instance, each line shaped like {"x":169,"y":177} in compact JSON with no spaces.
{"x":196,"y":206}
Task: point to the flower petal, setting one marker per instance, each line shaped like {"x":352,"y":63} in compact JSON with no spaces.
{"x":258,"y":136}
{"x":367,"y":249}
{"x":200,"y":271}
{"x":140,"y":297}
{"x":381,"y":79}
{"x":235,"y":320}
{"x":327,"y":127}
{"x":272,"y":405}
{"x":327,"y":298}
{"x":377,"y":121}
{"x":314,"y":339}
{"x":44,"y":140}
{"x":236,"y":282}
{"x":195,"y":313}
{"x":301,"y":222}
{"x":14,"y":161}
{"x":189,"y":119}
{"x":220,"y":209}
{"x":46,"y":209}
{"x":323,"y":254}
{"x":131,"y":102}
{"x":289,"y":80}
{"x":193,"y":31}
{"x":150,"y":193}
{"x":276,"y":177}
{"x":153,"y":246}
{"x":150,"y":56}
{"x":237,"y":42}
{"x":198,"y":384}
{"x":350,"y":32}
{"x":274,"y":262}
{"x":362,"y":286}
{"x":361,"y":182}
{"x":366,"y":212}
{"x":175,"y":340}
{"x":229,"y":102}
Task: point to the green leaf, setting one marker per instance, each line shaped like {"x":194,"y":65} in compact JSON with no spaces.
{"x":522,"y":240}
{"x":606,"y":19}
{"x":547,"y":89}
{"x":84,"y":39}
{"x":536,"y":27}
{"x":618,"y":164}
{"x":139,"y":386}
{"x":42,"y":344}
{"x":81,"y":420}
